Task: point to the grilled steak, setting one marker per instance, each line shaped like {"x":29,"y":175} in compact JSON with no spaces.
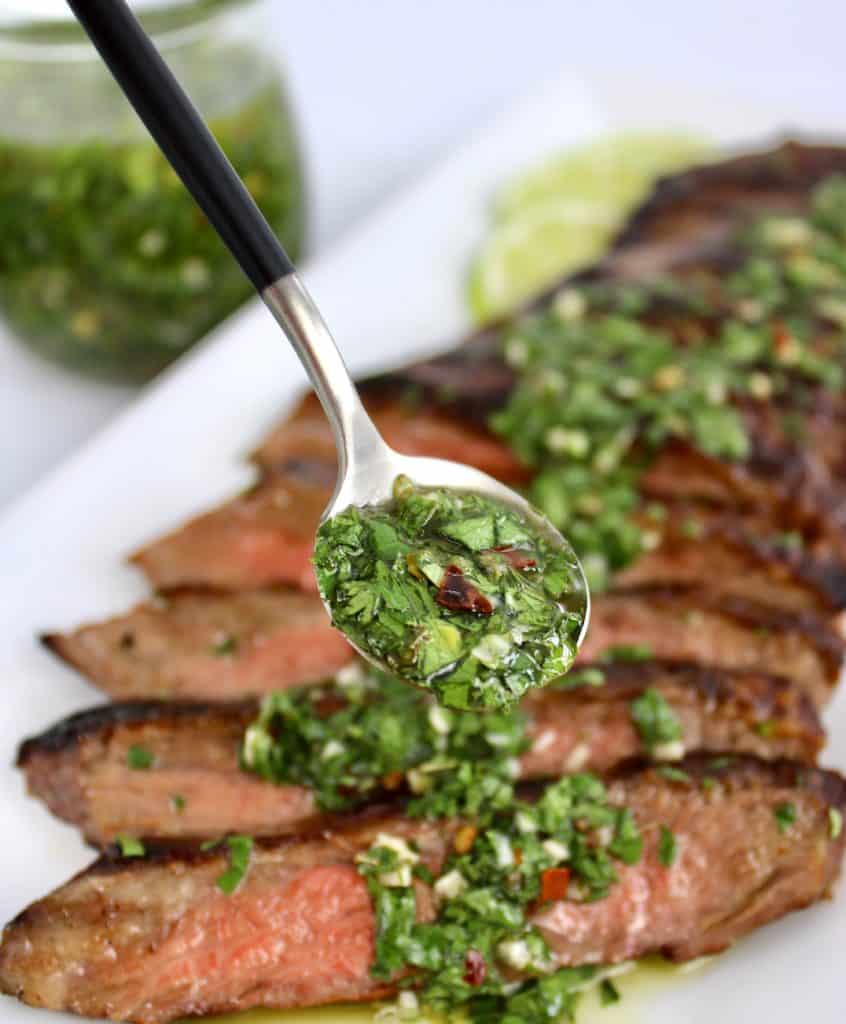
{"x":272,"y":546}
{"x":740,"y":557}
{"x":700,"y":625}
{"x":154,"y":939}
{"x":203,"y":645}
{"x":265,"y":535}
{"x":228,"y":646}
{"x":194,"y":787}
{"x":441,"y":407}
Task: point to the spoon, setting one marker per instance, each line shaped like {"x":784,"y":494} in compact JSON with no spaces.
{"x":367,"y":466}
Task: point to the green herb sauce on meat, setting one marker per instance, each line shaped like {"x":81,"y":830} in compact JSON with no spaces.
{"x":453,"y":591}
{"x":370,"y":733}
{"x":607,"y":374}
{"x":568,"y":844}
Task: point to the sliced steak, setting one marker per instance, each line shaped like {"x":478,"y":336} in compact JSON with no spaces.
{"x":204,"y":645}
{"x":701,"y":625}
{"x":194,"y":787}
{"x":441,"y":406}
{"x":153,"y":939}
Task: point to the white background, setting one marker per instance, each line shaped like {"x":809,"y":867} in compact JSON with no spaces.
{"x":383,"y":87}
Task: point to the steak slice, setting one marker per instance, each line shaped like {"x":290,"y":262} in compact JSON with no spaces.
{"x":265,"y":536}
{"x":737,"y":554}
{"x":701,"y":625}
{"x":737,"y":549}
{"x":204,"y":645}
{"x":262,"y":537}
{"x":153,"y":939}
{"x":760,"y":601}
{"x":194,"y":787}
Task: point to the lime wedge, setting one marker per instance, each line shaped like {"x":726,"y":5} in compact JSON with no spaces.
{"x":530,"y":251}
{"x":616,"y":170}
{"x":559,"y":216}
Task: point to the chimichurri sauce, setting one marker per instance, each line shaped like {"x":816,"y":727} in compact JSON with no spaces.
{"x":106,"y":263}
{"x":608,"y":373}
{"x":453,"y":591}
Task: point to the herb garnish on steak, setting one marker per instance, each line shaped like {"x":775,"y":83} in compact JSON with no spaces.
{"x":152,"y":939}
{"x":379,"y":740}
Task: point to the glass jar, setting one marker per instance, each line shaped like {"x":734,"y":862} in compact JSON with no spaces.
{"x":106,"y":263}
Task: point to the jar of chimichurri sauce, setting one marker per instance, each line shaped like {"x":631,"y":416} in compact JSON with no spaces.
{"x":106,"y":263}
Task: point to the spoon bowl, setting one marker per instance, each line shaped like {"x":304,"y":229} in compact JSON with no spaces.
{"x":372,"y":483}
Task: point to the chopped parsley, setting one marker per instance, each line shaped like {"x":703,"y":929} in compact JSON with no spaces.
{"x":138,"y":758}
{"x":656,"y":722}
{"x":177,"y":803}
{"x":224,"y":646}
{"x":673,"y":774}
{"x":130,"y":846}
{"x":590,"y":676}
{"x":627,"y":652}
{"x":835,"y":822}
{"x":667,"y":847}
{"x":608,"y":993}
{"x":603,"y":383}
{"x":566,"y":845}
{"x":719,"y":764}
{"x":379,"y":733}
{"x":453,"y":591}
{"x":785,"y":816}
{"x":240,"y":850}
{"x":552,"y":999}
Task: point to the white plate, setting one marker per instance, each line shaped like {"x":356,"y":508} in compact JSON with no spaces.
{"x":390,"y":289}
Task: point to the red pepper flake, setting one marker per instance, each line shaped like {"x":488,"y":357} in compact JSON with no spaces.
{"x":475,"y":968}
{"x":554,"y":884}
{"x":517,"y":559}
{"x":458,"y":594}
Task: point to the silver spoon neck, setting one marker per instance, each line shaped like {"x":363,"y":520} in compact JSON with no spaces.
{"x":357,"y":440}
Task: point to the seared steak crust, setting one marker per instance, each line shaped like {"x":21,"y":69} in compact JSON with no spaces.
{"x":79,"y":766}
{"x":153,"y":939}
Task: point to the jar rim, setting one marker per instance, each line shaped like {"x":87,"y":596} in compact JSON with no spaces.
{"x":48,"y":31}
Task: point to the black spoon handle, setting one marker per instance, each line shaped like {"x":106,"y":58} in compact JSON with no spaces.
{"x":179,"y":130}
